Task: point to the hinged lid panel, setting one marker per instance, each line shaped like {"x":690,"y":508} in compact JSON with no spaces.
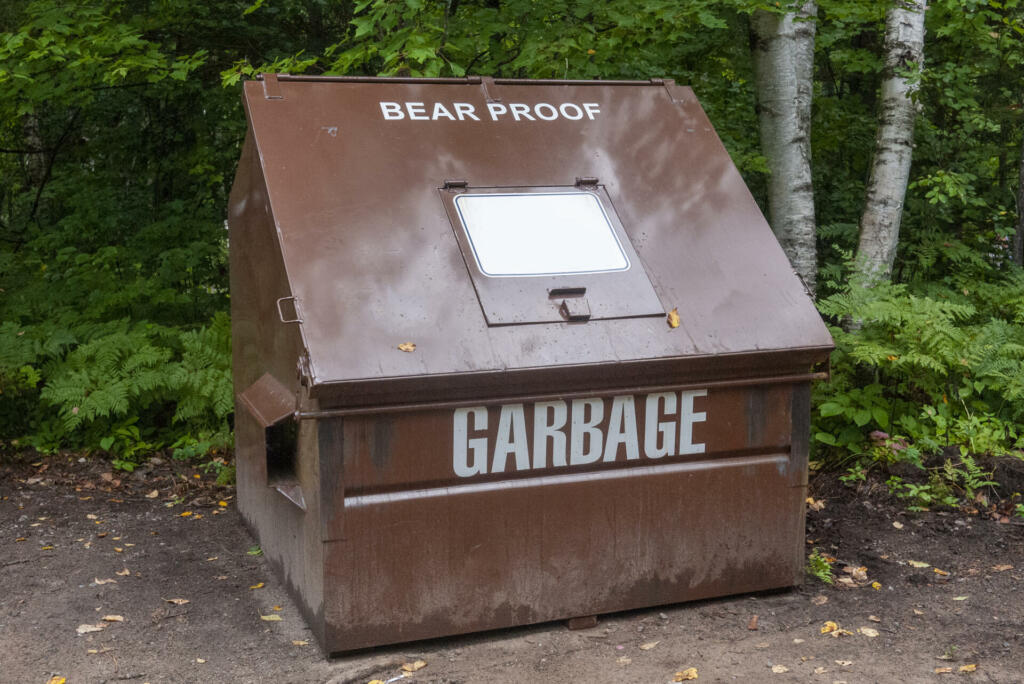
{"x":356,"y":174}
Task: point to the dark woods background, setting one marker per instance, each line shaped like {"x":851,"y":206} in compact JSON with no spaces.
{"x":120,"y":127}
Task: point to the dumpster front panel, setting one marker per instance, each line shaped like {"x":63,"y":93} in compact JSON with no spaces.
{"x":482,"y":517}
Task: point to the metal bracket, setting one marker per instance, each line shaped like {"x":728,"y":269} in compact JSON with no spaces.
{"x":455,"y":184}
{"x":295,"y":305}
{"x":490,"y":90}
{"x":586,"y":181}
{"x":271,"y":87}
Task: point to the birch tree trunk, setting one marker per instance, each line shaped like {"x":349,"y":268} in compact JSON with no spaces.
{"x":783,"y":47}
{"x":1018,"y":238}
{"x":890,"y":168}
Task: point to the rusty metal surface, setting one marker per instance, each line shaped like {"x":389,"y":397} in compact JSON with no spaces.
{"x":516,"y":467}
{"x":373,"y":259}
{"x":425,"y":551}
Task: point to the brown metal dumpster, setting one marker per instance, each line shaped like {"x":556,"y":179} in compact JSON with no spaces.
{"x":460,"y":403}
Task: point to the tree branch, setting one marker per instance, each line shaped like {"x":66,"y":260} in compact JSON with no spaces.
{"x":49,"y":162}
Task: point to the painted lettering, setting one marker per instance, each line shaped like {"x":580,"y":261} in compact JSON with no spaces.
{"x":496,"y":109}
{"x":584,"y":436}
{"x":687,"y":417}
{"x":519,"y":109}
{"x":511,"y":439}
{"x":565,"y":108}
{"x":622,"y":430}
{"x":543,"y":431}
{"x":439,"y":111}
{"x":464,"y":445}
{"x":418,"y":111}
{"x":580,"y":432}
{"x":465,"y":110}
{"x":654,"y":427}
{"x":545,"y":111}
{"x":392,"y":110}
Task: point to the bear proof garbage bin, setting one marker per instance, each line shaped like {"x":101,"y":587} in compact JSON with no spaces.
{"x":461,"y":401}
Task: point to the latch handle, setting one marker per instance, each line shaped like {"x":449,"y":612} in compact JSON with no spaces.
{"x":295,"y":306}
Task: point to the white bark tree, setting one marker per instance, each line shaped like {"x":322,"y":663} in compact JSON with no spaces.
{"x":783,"y":47}
{"x":1018,"y":238}
{"x":890,"y":168}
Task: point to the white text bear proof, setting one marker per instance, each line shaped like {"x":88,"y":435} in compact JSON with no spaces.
{"x":575,"y":432}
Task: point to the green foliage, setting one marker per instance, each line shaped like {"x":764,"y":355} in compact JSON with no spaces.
{"x":819,"y":567}
{"x":120,"y":128}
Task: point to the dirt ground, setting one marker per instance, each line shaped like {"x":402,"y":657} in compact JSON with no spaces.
{"x":186,"y":599}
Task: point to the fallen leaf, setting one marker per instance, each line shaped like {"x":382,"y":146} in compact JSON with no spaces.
{"x":943,"y":670}
{"x":673,"y":322}
{"x":752,"y":625}
{"x":407,"y":347}
{"x":91,"y":516}
{"x":877,"y":586}
{"x":375,"y":681}
{"x":278,"y":608}
{"x":869,"y":632}
{"x":649,"y":645}
{"x":222,"y":504}
{"x":819,"y":600}
{"x":918,"y":612}
{"x":844,"y":663}
{"x":200,"y":661}
{"x":859,"y":574}
{"x":21,"y":539}
{"x":185,"y":514}
{"x":118,"y":549}
{"x":686,"y":675}
{"x":968,"y":668}
{"x":829,"y":627}
{"x":874,"y":618}
{"x":257,"y":586}
{"x":820,"y":670}
{"x":959,"y":598}
{"x":97,"y":580}
{"x":300,"y":642}
{"x":46,"y":548}
{"x":897,"y":524}
{"x":123,"y":573}
{"x":57,"y":680}
{"x":1002,"y":568}
{"x":414,"y":666}
{"x":815,"y":505}
{"x":153,"y":494}
{"x":177,"y":601}
{"x":779,"y":669}
{"x":940,"y":572}
{"x":112,"y":618}
{"x":271,"y":618}
{"x":917,"y":564}
{"x":798,"y":641}
{"x":86,"y":629}
{"x":623,"y":660}
{"x":211,"y":558}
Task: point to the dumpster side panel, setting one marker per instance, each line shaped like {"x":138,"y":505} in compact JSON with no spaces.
{"x":262,"y":344}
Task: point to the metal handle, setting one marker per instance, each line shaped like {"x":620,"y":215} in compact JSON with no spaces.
{"x":295,"y":305}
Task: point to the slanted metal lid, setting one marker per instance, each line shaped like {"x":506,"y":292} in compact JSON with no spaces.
{"x":394,"y":201}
